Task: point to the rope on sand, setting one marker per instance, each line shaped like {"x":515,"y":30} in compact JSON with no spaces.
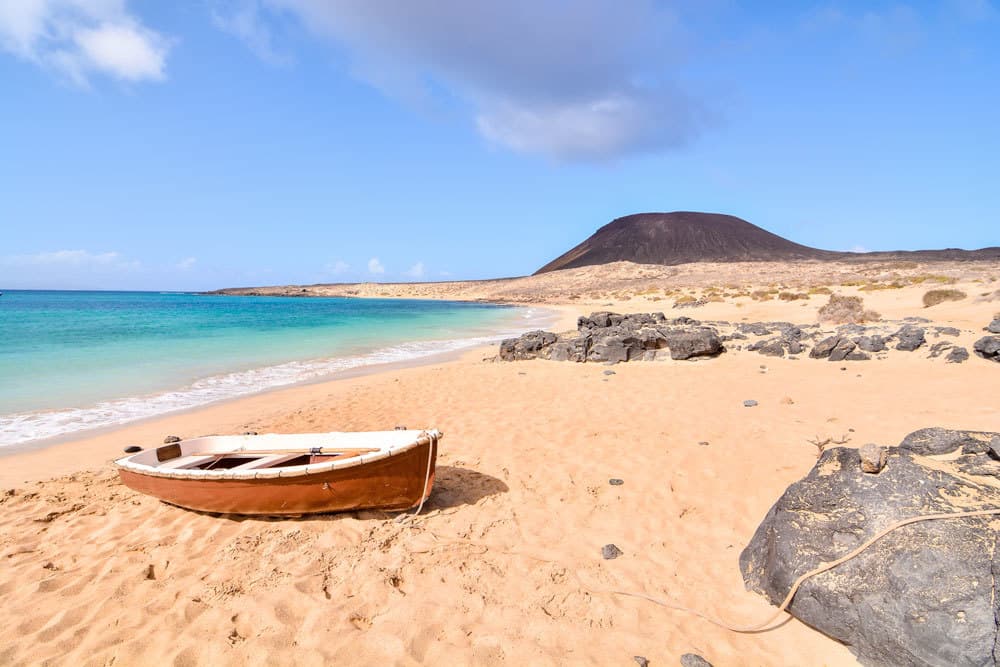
{"x":431,"y":444}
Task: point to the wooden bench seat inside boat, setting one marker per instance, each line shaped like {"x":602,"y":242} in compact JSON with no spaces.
{"x":256,"y":460}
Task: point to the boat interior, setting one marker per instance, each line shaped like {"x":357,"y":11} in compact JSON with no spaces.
{"x":272,"y":455}
{"x":173,"y":459}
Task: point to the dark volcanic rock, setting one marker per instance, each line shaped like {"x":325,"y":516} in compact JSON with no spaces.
{"x":937,"y":349}
{"x":843,"y":348}
{"x":769,"y":348}
{"x":947,"y":331}
{"x":755,"y":328}
{"x":988,"y":347}
{"x":957,"y":355}
{"x":994,"y":326}
{"x":610,"y":349}
{"x":573,"y":349}
{"x":610,"y":552}
{"x":527,"y":346}
{"x":925,"y":594}
{"x":936,"y":441}
{"x":872,"y":343}
{"x":694,"y":660}
{"x":693,"y":343}
{"x":613,"y":338}
{"x":823,"y":348}
{"x":910,"y":338}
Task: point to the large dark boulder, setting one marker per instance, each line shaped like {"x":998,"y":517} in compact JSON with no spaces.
{"x":526,"y":346}
{"x":822,"y":349}
{"x":925,"y":594}
{"x":842,"y":349}
{"x":612,"y":338}
{"x":988,"y":347}
{"x":871,"y":343}
{"x":609,"y":349}
{"x":691,"y":343}
{"x":910,"y":338}
{"x":994,"y":326}
{"x":571,"y":349}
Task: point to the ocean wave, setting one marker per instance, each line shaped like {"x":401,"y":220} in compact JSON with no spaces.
{"x":20,"y":428}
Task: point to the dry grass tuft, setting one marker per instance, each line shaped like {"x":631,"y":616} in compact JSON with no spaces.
{"x":846,"y":310}
{"x":792,"y":296}
{"x":936,"y":296}
{"x":932,"y":278}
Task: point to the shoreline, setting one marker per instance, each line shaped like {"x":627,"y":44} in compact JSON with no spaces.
{"x":546,"y":317}
{"x":22,"y":456}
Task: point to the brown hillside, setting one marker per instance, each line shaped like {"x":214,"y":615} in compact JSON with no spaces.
{"x":685,"y":237}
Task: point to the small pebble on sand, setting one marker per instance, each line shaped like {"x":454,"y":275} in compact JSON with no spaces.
{"x":610,"y":552}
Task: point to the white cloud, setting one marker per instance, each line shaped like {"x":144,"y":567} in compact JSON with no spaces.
{"x":243,"y":19}
{"x":338,"y":267}
{"x":375,"y":266}
{"x":187,"y":263}
{"x":859,"y":248}
{"x":79,"y":37}
{"x":415,"y":271}
{"x":588,"y":80}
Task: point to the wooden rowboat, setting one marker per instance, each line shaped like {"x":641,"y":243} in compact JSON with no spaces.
{"x":288,"y":474}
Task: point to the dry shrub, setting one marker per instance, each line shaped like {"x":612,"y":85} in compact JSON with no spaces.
{"x":762,"y":295}
{"x":821,"y":290}
{"x":870,"y":287}
{"x":792,"y":296}
{"x":846,"y":310}
{"x":687,"y":298}
{"x":931,"y":278}
{"x":936,"y":296}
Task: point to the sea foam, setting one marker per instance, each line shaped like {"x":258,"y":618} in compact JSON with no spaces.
{"x":20,"y":428}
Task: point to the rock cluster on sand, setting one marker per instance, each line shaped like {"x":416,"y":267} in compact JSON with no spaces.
{"x":612,"y":338}
{"x":988,"y":347}
{"x":925,"y":594}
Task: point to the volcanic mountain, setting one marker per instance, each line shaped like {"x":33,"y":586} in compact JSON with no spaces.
{"x":684,"y":237}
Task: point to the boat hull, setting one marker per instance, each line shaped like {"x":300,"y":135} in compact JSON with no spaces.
{"x":393,"y":483}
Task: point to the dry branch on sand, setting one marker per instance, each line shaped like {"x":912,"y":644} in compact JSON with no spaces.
{"x":820,"y":444}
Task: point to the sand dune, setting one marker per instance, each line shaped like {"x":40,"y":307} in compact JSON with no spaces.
{"x":505,"y":564}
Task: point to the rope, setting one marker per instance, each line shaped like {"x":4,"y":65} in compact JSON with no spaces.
{"x":431,"y":443}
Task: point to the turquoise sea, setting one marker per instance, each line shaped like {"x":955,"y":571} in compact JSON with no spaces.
{"x":71,"y":361}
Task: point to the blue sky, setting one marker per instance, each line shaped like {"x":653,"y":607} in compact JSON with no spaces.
{"x":203,"y":144}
